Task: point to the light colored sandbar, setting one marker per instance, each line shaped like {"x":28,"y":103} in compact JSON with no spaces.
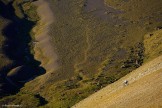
{"x":44,"y":50}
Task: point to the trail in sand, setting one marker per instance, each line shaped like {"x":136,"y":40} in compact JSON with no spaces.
{"x":44,"y":50}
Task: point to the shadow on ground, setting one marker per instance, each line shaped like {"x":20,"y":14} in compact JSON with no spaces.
{"x":17,"y":47}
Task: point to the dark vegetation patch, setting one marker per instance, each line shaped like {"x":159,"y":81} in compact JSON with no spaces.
{"x":136,"y":57}
{"x":31,"y":100}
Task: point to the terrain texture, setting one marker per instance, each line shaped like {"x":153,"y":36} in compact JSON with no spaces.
{"x":55,"y":53}
{"x":144,"y":90}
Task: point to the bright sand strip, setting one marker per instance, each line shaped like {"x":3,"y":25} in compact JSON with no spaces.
{"x":44,"y":50}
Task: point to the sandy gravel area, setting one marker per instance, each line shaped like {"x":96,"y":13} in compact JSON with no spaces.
{"x":44,"y":50}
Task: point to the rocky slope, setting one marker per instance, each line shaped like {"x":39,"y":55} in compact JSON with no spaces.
{"x":143,"y":90}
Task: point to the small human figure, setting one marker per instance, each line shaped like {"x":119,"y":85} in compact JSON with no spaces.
{"x":125,"y":82}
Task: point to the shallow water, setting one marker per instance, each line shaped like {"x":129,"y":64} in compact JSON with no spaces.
{"x":16,"y":47}
{"x":100,"y":10}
